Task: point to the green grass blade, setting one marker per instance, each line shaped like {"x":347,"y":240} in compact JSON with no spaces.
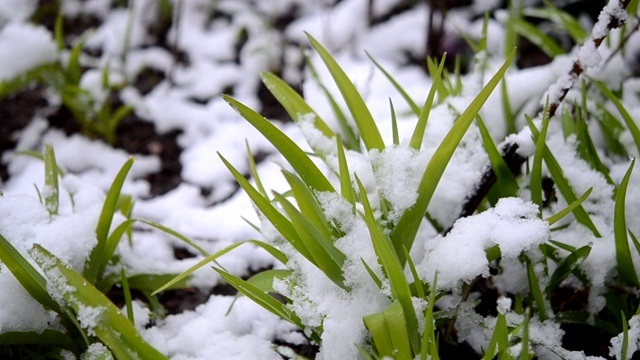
{"x":536,"y":169}
{"x":394,"y":124}
{"x":416,"y":278}
{"x":308,"y":204}
{"x":407,"y":227}
{"x":625,"y":336}
{"x":509,"y":116}
{"x":267,"y":301}
{"x":98,"y":255}
{"x":506,"y":181}
{"x":499,"y":340}
{"x":298,"y":159}
{"x":178,"y":279}
{"x":631,"y":124}
{"x":51,"y":196}
{"x":324,"y":254}
{"x":564,"y":212}
{"x":127,"y":295}
{"x":567,"y":266}
{"x":264,"y":279}
{"x":611,"y":129}
{"x":543,"y":41}
{"x":567,"y":21}
{"x":112,"y":243}
{"x":429,"y":340}
{"x":389,"y":333}
{"x":361,"y":115}
{"x":176,"y":234}
{"x":524,"y":353}
{"x":254,"y":170}
{"x":588,"y":148}
{"x":32,"y":281}
{"x":412,"y":105}
{"x":563,"y":185}
{"x":393,"y":269}
{"x":352,"y":140}
{"x":109,"y":324}
{"x":626,"y":268}
{"x":534,"y":286}
{"x":346,"y":188}
{"x":293,"y":102}
{"x":279,"y":221}
{"x":373,"y":275}
{"x":418,"y":132}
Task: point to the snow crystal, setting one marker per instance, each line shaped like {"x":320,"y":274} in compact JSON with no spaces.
{"x":613,"y":10}
{"x":504,"y":305}
{"x":588,"y":55}
{"x":96,"y":351}
{"x":22,"y":47}
{"x":88,"y":316}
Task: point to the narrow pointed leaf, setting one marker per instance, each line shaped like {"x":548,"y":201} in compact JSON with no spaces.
{"x":308,"y":204}
{"x":567,"y":266}
{"x":412,"y":105}
{"x":361,"y":115}
{"x":626,"y":268}
{"x":51,"y":196}
{"x":506,"y":181}
{"x":628,"y":120}
{"x":418,"y":132}
{"x":564,"y":212}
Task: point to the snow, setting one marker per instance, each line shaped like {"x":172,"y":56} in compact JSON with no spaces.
{"x":188,"y":102}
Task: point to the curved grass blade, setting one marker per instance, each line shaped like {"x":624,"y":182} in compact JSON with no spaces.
{"x":418,"y":132}
{"x":254,"y":170}
{"x":109,"y":324}
{"x":535,"y":290}
{"x":293,"y":102}
{"x":176,"y":234}
{"x":46,"y":337}
{"x":127,"y":295}
{"x":506,"y":181}
{"x":625,"y":336}
{"x":394,"y":124}
{"x":51,"y":196}
{"x":564,"y":212}
{"x":393,"y":269}
{"x":524,"y":353}
{"x":499,"y":340}
{"x":429,"y":339}
{"x":567,"y":266}
{"x":279,"y":221}
{"x":98,"y":255}
{"x":300,"y":161}
{"x":626,"y":268}
{"x":407,"y":227}
{"x":361,"y":115}
{"x":414,"y":107}
{"x":552,"y":13}
{"x":373,"y":275}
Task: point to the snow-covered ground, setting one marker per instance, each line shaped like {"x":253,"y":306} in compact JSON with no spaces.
{"x":188,"y":99}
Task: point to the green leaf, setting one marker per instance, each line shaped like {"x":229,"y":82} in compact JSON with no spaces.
{"x":346,"y":188}
{"x":407,"y":227}
{"x":589,"y":152}
{"x":418,"y":132}
{"x":631,"y":125}
{"x":373,"y":275}
{"x":298,"y":159}
{"x":308,"y":204}
{"x":414,"y":107}
{"x":176,"y":234}
{"x":626,"y":268}
{"x":99,"y":255}
{"x":536,"y":169}
{"x":180,"y":278}
{"x":429,"y":340}
{"x":534,"y":286}
{"x":254,"y":171}
{"x":625,"y":337}
{"x":361,"y":115}
{"x":295,"y":105}
{"x":324,"y":254}
{"x":389,"y":332}
{"x":46,"y":337}
{"x":537,"y":37}
{"x":393,"y":270}
{"x":394,"y":124}
{"x":107,"y":322}
{"x":279,"y":221}
{"x":264,"y":279}
{"x":127,"y":295}
{"x":524,"y":353}
{"x":499,"y":340}
{"x":611,"y":129}
{"x":564,"y":212}
{"x":51,"y":196}
{"x":506,"y":181}
{"x":567,"y":266}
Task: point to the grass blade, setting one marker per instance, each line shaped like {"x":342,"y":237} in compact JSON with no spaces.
{"x":46,"y":337}
{"x":536,"y":170}
{"x":361,"y":115}
{"x":393,"y":269}
{"x":127,"y":295}
{"x":308,"y":204}
{"x":537,"y":37}
{"x":178,"y":279}
{"x":51,"y":195}
{"x":293,"y":102}
{"x":389,"y":332}
{"x":414,"y":107}
{"x":298,"y":159}
{"x":564,"y":212}
{"x":535,"y":290}
{"x":407,"y":227}
{"x":567,"y":266}
{"x":626,"y":268}
{"x":631,"y":125}
{"x":98,"y":256}
{"x":418,"y":132}
{"x":346,"y":188}
{"x":569,"y":23}
{"x":506,"y":181}
{"x":107,"y":322}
